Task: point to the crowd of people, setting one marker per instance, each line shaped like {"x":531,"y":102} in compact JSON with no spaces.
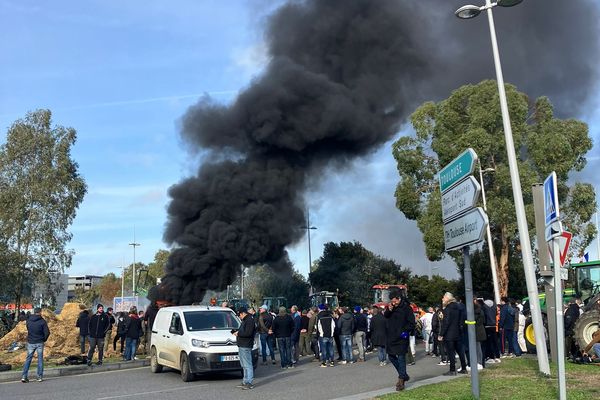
{"x":132,"y":332}
{"x":321,"y":332}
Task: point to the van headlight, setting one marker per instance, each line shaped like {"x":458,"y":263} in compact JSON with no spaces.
{"x":200,"y":343}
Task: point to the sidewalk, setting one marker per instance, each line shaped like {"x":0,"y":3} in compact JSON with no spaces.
{"x":53,"y":372}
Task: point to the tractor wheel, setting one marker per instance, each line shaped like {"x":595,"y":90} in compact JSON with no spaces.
{"x":585,"y":327}
{"x":529,"y":334}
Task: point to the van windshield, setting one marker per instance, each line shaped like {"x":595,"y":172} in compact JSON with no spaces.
{"x":210,"y":320}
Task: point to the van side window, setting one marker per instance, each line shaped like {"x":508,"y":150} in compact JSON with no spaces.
{"x":175,"y":326}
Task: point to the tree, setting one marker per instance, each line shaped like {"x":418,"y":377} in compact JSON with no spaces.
{"x":109,"y":288}
{"x":353,"y":270}
{"x":471,"y":117}
{"x":40,"y":191}
{"x":427,"y":292}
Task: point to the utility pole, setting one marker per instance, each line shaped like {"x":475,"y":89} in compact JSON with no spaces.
{"x":134,"y":244}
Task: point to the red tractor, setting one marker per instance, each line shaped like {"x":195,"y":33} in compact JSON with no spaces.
{"x":381,"y":296}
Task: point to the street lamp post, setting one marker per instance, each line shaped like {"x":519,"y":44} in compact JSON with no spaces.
{"x":134,"y":245}
{"x":489,"y":237}
{"x":471,"y":11}
{"x":308,"y":229}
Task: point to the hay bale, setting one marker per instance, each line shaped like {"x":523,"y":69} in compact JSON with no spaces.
{"x":64,"y":336}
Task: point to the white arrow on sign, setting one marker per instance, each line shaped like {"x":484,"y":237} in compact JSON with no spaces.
{"x":460,"y":198}
{"x":465,"y":230}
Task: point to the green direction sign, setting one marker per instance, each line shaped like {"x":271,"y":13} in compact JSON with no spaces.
{"x":458,"y":169}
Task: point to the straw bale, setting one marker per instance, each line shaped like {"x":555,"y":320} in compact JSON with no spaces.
{"x":64,"y":336}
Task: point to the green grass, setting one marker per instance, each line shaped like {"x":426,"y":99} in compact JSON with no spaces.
{"x":513,"y":379}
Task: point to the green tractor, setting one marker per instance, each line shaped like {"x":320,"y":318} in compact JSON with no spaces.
{"x":584,"y":283}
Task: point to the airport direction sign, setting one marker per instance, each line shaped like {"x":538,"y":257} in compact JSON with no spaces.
{"x":460,"y":198}
{"x":458,"y":169}
{"x":465,"y":230}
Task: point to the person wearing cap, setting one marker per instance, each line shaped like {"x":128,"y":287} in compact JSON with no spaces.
{"x":37,"y":335}
{"x":245,"y":342}
{"x":360,"y":334}
{"x":400,"y":322}
{"x":265,"y":322}
{"x":326,"y":329}
{"x":97,"y":328}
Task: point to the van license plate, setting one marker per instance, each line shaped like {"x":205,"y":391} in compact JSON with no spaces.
{"x":230,"y":358}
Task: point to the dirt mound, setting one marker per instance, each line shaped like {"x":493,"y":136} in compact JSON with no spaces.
{"x":63,"y":340}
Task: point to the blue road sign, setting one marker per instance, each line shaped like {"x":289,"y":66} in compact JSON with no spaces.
{"x":551,"y":212}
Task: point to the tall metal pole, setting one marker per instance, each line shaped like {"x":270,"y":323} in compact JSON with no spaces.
{"x":242,"y":291}
{"x":471,"y":322}
{"x":308,"y":230}
{"x":530,"y":278}
{"x":489,"y":240}
{"x":560,"y":333}
{"x":134,"y":245}
{"x":597,"y":237}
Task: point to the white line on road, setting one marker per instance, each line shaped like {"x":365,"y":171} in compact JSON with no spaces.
{"x":122,"y":396}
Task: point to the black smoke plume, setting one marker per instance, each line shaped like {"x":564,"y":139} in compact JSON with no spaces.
{"x":341,"y":78}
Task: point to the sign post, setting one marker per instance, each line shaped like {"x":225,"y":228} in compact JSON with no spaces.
{"x":553,"y":234}
{"x":464,"y":225}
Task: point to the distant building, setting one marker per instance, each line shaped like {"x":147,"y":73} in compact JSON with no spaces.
{"x":52,"y":293}
{"x":85,"y":282}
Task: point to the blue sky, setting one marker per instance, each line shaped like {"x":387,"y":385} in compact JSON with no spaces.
{"x":123,"y":73}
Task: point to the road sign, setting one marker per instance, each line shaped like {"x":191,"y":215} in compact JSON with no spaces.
{"x":460,"y":198}
{"x":564,"y":274}
{"x":553,"y":230}
{"x":564,"y":242}
{"x":551,"y":212}
{"x":465,"y":230}
{"x":459,"y":168}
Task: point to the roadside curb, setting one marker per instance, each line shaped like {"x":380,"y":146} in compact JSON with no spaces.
{"x":11,"y":376}
{"x":376,"y":393}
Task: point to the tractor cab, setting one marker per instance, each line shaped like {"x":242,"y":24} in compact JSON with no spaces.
{"x":328,"y":298}
{"x":381,"y":294}
{"x":587,"y":281}
{"x":273,"y":303}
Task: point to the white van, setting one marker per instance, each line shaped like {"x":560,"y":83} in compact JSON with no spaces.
{"x":196,"y":339}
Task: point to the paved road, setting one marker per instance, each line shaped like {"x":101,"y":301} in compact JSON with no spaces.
{"x":271,"y":382}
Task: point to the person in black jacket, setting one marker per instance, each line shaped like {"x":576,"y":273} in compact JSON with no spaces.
{"x":400,"y":323}
{"x":82,"y":323}
{"x":149,"y":318}
{"x":37,"y":334}
{"x":111,"y":322}
{"x":379,"y":334}
{"x":245,"y":342}
{"x":121,"y":330}
{"x":452,"y":331}
{"x":570,"y":318}
{"x":326,"y":328}
{"x":346,"y":326}
{"x":283,"y":326}
{"x":133,"y":333}
{"x":97,"y":328}
{"x":360,"y":333}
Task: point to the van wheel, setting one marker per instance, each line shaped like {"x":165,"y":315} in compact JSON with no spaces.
{"x":186,"y":374}
{"x":155,"y":367}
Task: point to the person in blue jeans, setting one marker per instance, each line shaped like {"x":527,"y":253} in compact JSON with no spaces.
{"x":326,"y":329}
{"x":37,"y":334}
{"x":133,"y":332}
{"x":265,"y":322}
{"x":346,"y":327}
{"x":245,"y":342}
{"x":283,"y":327}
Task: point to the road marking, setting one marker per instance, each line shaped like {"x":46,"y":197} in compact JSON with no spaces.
{"x":122,"y":396}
